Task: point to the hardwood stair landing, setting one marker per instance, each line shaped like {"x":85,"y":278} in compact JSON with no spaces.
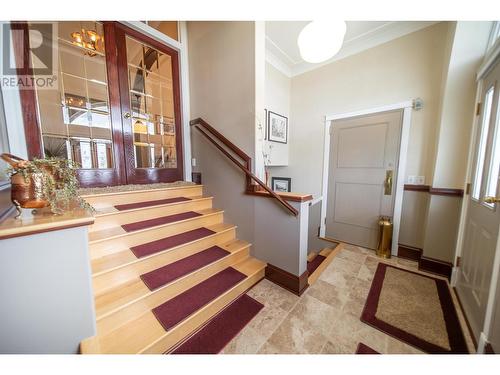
{"x":156,"y":252}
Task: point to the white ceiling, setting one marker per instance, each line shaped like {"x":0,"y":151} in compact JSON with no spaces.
{"x":283,"y":53}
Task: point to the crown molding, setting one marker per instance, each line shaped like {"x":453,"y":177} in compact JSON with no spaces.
{"x":382,"y":34}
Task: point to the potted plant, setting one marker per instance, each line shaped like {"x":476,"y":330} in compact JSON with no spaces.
{"x":45,"y":182}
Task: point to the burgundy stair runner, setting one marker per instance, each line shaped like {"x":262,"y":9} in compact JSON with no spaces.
{"x":214,"y":336}
{"x":159,"y":221}
{"x":313,"y":264}
{"x":169,"y":242}
{"x":170,"y":272}
{"x":365,"y":349}
{"x":180,"y":307}
{"x":130,"y":206}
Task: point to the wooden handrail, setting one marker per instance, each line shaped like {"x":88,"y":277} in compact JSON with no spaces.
{"x":198,"y":123}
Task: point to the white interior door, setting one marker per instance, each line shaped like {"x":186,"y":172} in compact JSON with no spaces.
{"x":483,"y":215}
{"x":363,"y":165}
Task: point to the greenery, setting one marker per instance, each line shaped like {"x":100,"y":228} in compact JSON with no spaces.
{"x":59,"y":182}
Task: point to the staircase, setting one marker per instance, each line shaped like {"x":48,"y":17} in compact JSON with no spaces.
{"x":164,"y":263}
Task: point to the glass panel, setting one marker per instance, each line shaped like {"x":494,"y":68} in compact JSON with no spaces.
{"x":491,"y":187}
{"x":74,"y":119}
{"x":152,"y":105}
{"x":476,"y":188}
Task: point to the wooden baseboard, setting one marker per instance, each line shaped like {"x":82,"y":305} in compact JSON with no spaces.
{"x":427,"y":264}
{"x":435,"y":266}
{"x":287,"y":280}
{"x":409,"y":252}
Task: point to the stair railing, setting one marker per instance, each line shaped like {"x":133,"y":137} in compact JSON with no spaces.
{"x":210,"y":133}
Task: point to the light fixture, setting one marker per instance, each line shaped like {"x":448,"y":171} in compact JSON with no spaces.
{"x":87,"y":39}
{"x":321,"y":40}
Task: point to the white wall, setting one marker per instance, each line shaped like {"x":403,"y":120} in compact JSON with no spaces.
{"x":277,"y":99}
{"x":400,"y":70}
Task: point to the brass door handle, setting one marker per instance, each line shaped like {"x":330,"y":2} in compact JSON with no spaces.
{"x":388,"y":182}
{"x":127,"y":115}
{"x":492,"y":200}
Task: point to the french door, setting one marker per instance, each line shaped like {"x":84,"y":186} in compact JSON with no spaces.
{"x":483,"y":215}
{"x":116,"y":108}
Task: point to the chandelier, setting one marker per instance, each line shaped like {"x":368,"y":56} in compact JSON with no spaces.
{"x":88,"y":39}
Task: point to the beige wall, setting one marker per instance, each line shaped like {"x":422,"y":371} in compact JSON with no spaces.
{"x":277,"y":99}
{"x":400,"y":70}
{"x":222,"y":91}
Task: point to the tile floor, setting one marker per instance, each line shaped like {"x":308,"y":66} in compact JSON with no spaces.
{"x":325,"y":319}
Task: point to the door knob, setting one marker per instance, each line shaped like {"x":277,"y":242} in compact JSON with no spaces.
{"x":492,"y":200}
{"x":127,"y":115}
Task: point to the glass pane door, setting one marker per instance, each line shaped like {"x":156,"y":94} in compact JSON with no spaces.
{"x":152,"y":121}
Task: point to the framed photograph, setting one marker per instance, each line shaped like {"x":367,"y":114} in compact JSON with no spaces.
{"x":277,"y":127}
{"x":281,"y":184}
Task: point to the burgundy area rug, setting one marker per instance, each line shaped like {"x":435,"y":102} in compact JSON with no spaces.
{"x":131,"y":206}
{"x":173,"y":271}
{"x":215,"y":335}
{"x":314,"y":264}
{"x":169,"y":242}
{"x":365,"y":349}
{"x":180,"y":307}
{"x":159,"y":221}
{"x":414,"y":308}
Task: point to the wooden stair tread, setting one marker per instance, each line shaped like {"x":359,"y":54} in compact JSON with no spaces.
{"x":146,"y":191}
{"x":125,"y":257}
{"x":145,"y":333}
{"x":118,"y":231}
{"x":135,"y":289}
{"x":109,"y":212}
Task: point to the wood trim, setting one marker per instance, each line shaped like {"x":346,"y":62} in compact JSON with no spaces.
{"x":410,"y":187}
{"x":452,"y":192}
{"x":409,"y":252}
{"x":247,"y":171}
{"x":28,"y":97}
{"x":293,"y":197}
{"x":48,"y":222}
{"x":287,"y":280}
{"x":447,"y":191}
{"x":435,"y":266}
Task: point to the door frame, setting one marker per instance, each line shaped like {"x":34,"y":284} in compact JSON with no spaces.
{"x":487,"y":64}
{"x":407,"y":107}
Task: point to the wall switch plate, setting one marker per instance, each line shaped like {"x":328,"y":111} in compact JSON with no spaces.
{"x":420,"y":180}
{"x":411,"y":180}
{"x":193,"y":162}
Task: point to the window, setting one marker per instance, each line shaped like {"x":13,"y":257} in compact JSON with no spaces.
{"x":4,"y":142}
{"x":476,"y":187}
{"x":492,"y":184}
{"x":494,"y":35}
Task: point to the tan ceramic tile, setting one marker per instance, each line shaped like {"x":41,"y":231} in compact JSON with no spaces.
{"x":339,"y":279}
{"x":339,"y":347}
{"x":365,"y":273}
{"x":269,"y":293}
{"x":353,"y":256}
{"x":354,"y":307}
{"x":344,"y":266}
{"x":248,"y":341}
{"x":295,"y":336}
{"x":328,"y":293}
{"x":316,"y":314}
{"x":267,"y":320}
{"x":360,"y":289}
{"x":268,"y":348}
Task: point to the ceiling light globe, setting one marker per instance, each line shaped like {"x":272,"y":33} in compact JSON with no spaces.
{"x":321,"y":40}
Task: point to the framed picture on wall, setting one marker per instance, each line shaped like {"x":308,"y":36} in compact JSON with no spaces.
{"x":277,"y":127}
{"x":265,"y":125}
{"x":281,"y":184}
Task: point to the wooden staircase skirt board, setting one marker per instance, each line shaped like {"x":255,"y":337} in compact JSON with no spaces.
{"x":102,"y":201}
{"x":112,"y":278}
{"x":146,"y":335}
{"x":127,"y":240}
{"x":118,"y":218}
{"x":151,"y":299}
{"x":329,"y":254}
